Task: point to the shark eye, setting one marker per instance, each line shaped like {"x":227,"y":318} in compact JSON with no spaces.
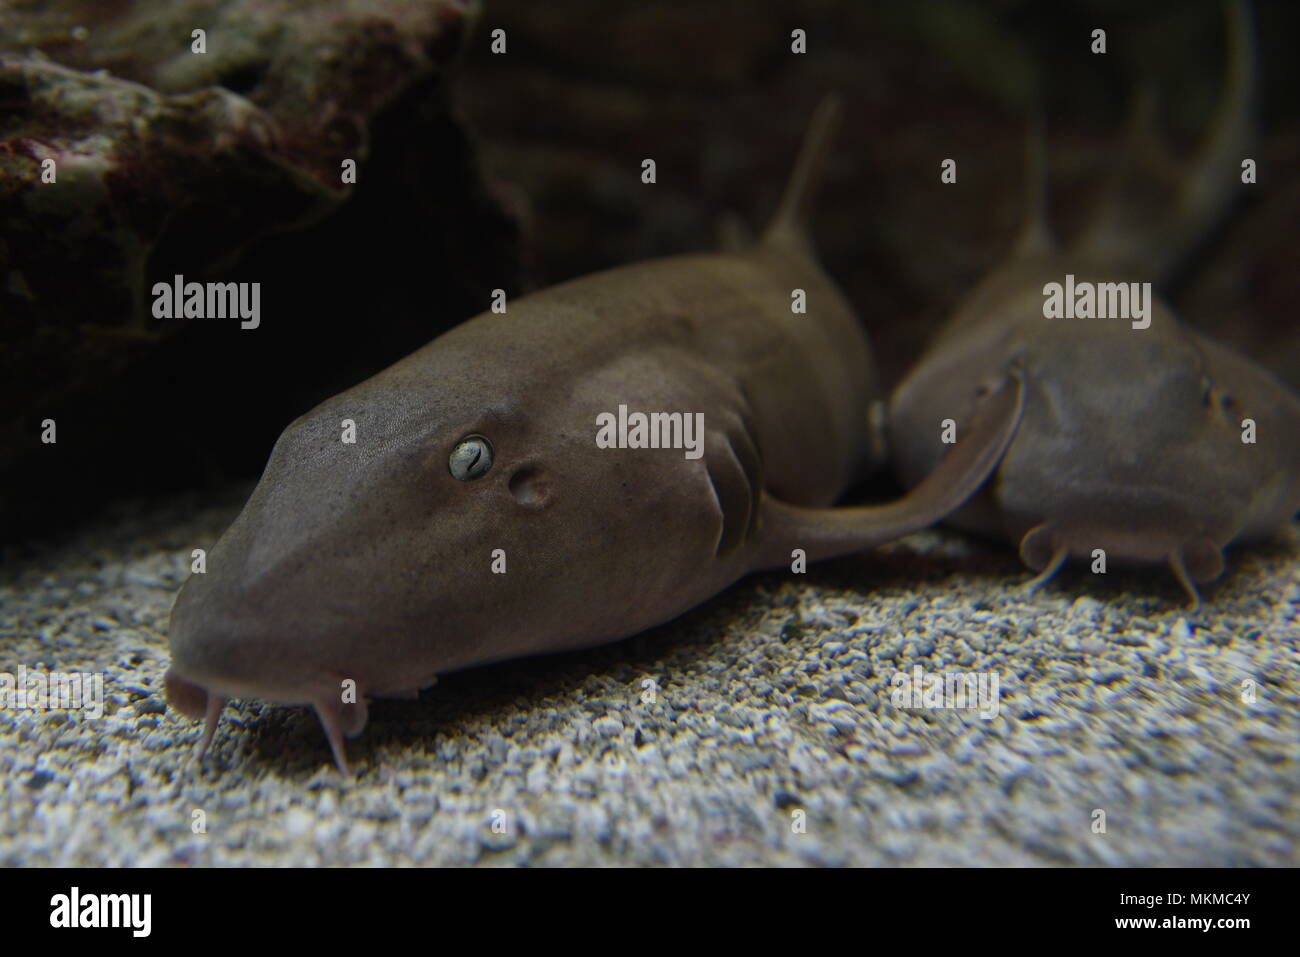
{"x":471,"y":458}
{"x":1232,"y":409}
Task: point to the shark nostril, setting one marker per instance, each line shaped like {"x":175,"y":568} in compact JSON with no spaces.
{"x":531,"y":487}
{"x":185,"y":696}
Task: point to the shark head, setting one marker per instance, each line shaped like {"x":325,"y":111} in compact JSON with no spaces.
{"x":443,"y":514}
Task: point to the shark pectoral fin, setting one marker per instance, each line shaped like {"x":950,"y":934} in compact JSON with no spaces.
{"x":830,"y":532}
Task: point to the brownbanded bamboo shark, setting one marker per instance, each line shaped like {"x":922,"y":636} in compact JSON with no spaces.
{"x":1144,"y":440}
{"x":374,"y":564}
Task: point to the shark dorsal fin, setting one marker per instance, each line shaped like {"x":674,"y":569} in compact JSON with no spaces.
{"x":790,"y":224}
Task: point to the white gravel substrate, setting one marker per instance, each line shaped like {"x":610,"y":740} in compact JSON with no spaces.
{"x":772,"y":705}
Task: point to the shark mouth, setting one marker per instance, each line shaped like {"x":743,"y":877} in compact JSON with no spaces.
{"x":337,"y":718}
{"x":1045,"y":549}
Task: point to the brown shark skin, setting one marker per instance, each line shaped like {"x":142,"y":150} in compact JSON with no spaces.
{"x":370,"y":562}
{"x":1131,"y":439}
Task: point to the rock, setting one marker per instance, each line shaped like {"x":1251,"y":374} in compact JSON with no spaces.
{"x":220,"y":166}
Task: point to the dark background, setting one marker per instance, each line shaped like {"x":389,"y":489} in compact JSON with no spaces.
{"x":521,"y":170}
